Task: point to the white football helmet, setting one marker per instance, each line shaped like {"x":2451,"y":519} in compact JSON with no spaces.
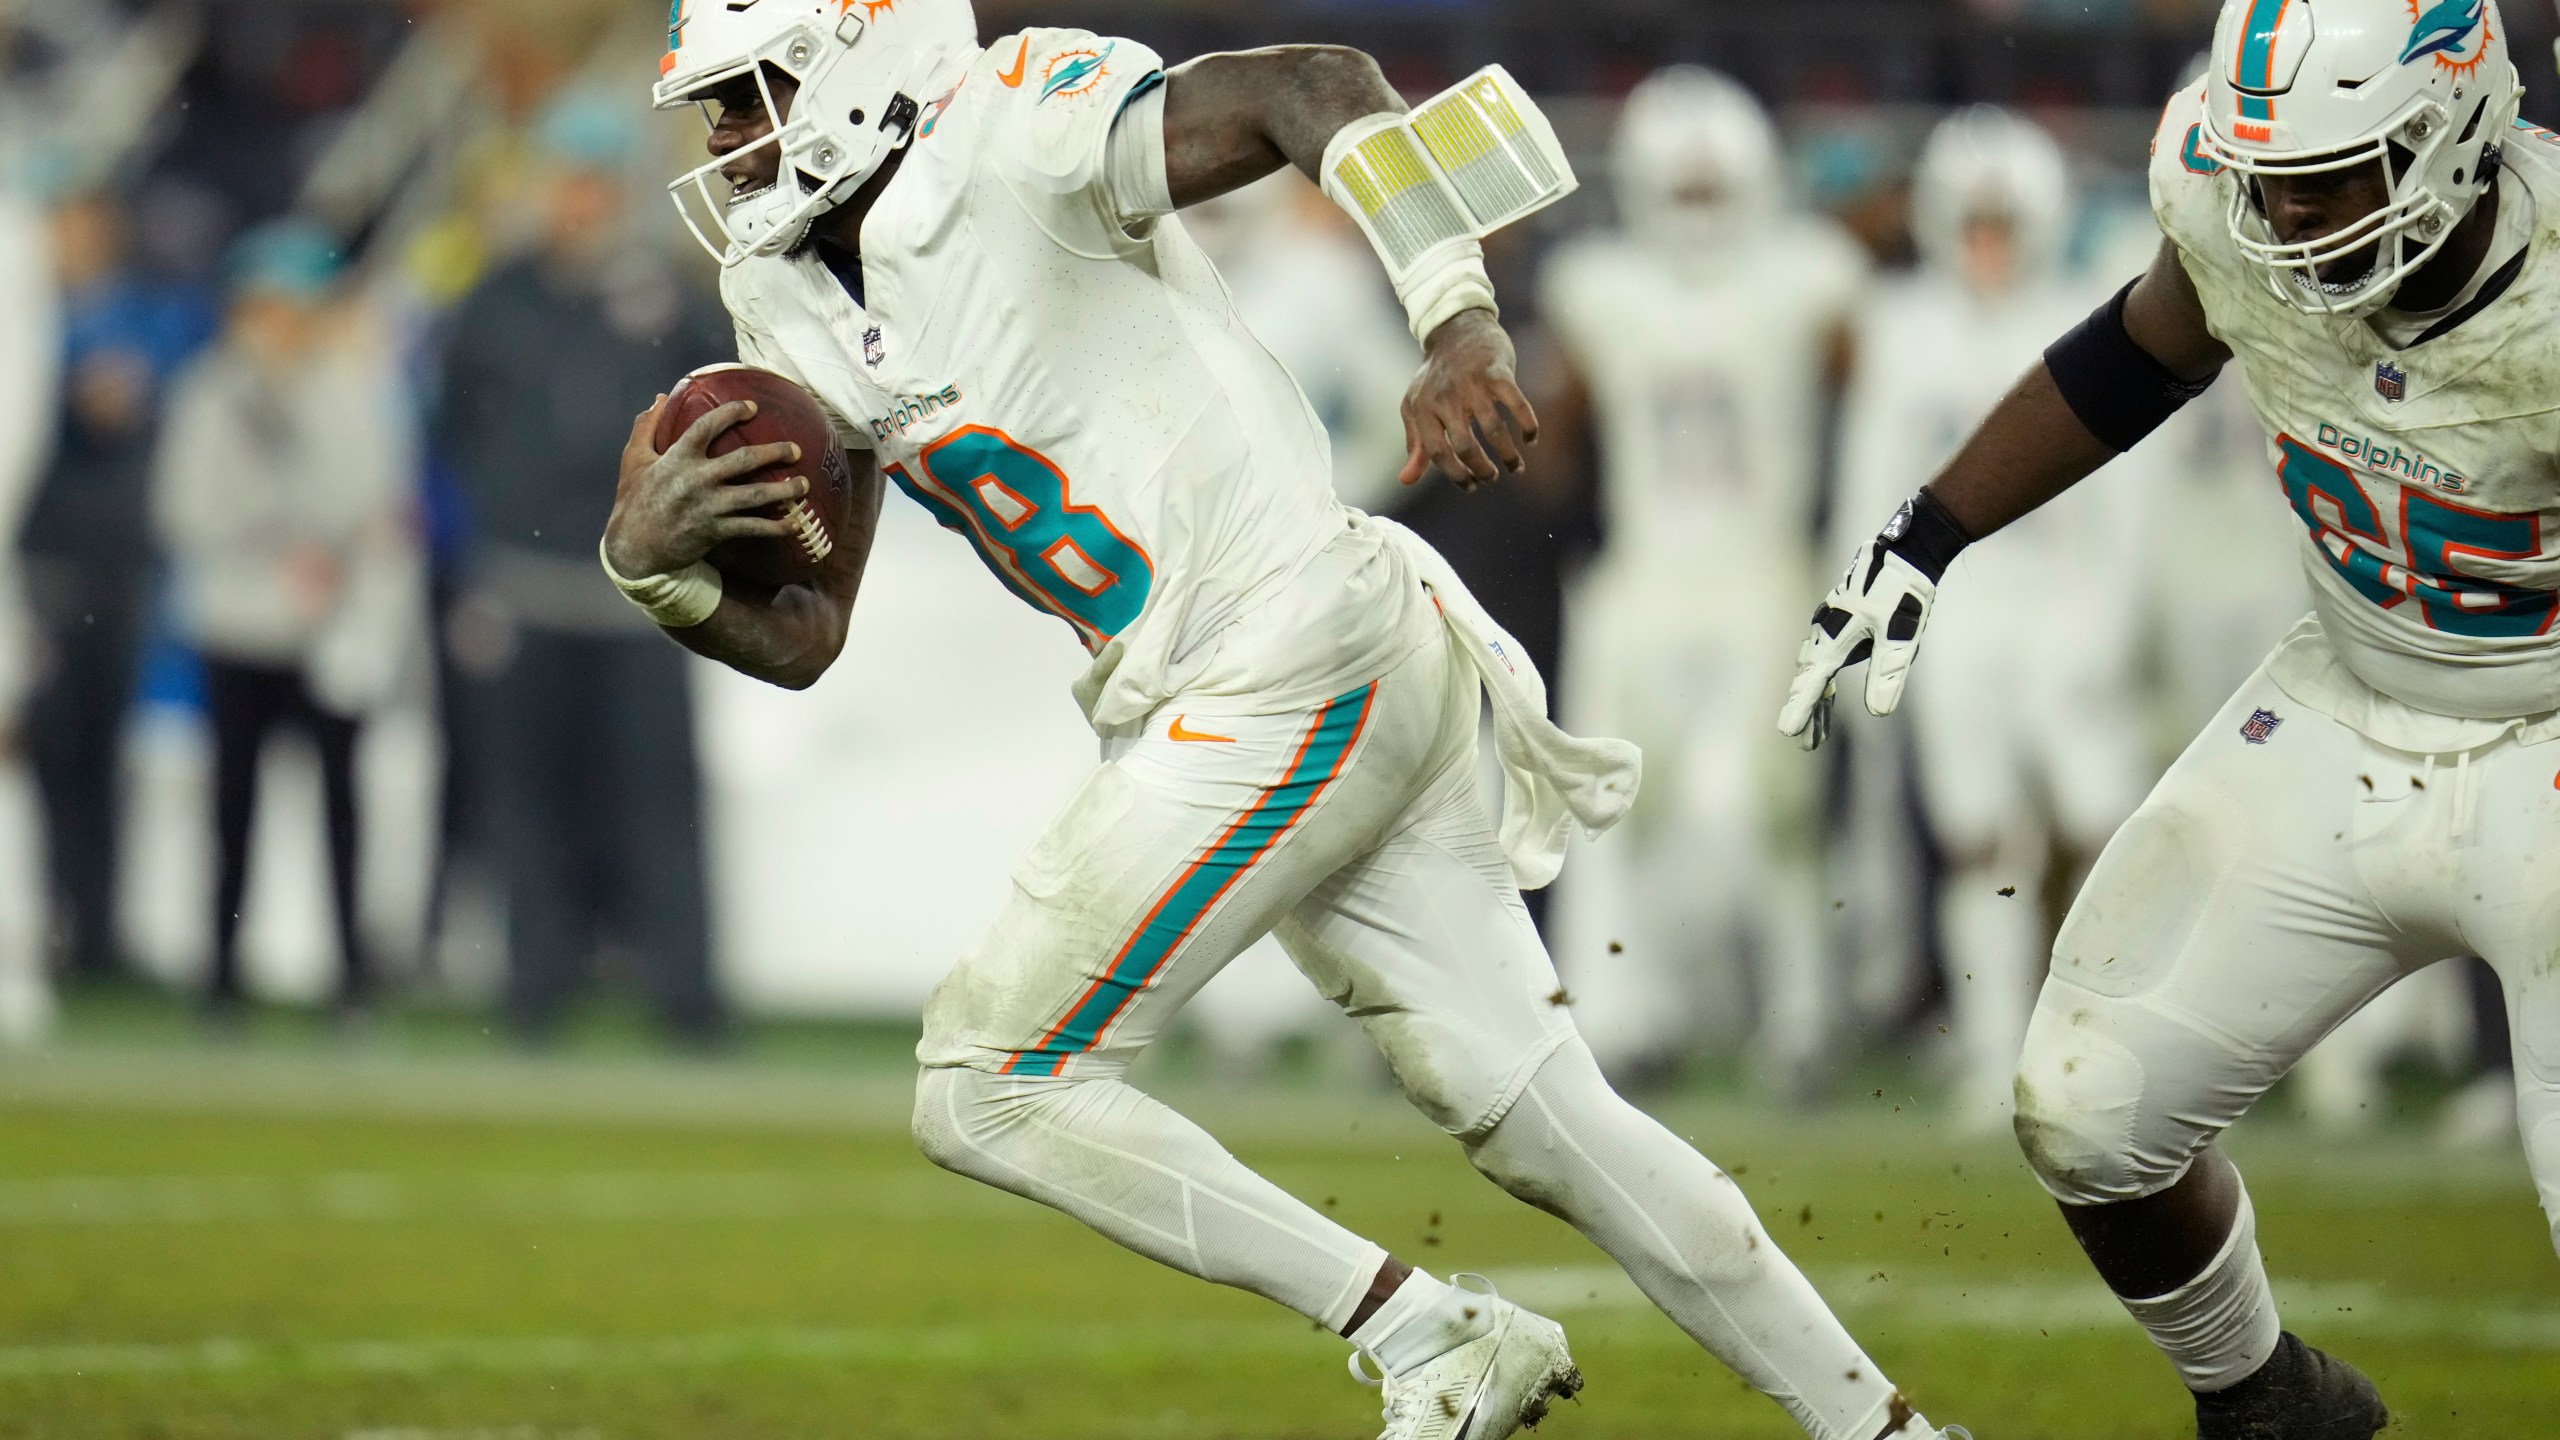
{"x":1985,"y":162}
{"x":2423,"y":87}
{"x":1695,"y":157}
{"x":865,"y":69}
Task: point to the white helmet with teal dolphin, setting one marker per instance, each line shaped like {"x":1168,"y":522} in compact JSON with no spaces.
{"x":2423,"y":88}
{"x":864,"y":69}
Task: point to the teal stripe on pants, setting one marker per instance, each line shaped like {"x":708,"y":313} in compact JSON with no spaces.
{"x":1180,"y":909}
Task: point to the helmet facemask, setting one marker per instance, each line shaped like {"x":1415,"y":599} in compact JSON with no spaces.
{"x":2428,"y":190}
{"x":2418,"y":96}
{"x":814,"y":172}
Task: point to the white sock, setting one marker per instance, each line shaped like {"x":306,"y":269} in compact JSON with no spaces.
{"x":1424,"y":1320}
{"x":2221,"y":1326}
{"x":1683,"y":1232}
{"x":1146,"y":1177}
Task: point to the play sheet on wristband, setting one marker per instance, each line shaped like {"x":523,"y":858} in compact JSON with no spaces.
{"x":1462,"y":165}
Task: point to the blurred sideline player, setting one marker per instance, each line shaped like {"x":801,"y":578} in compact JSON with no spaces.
{"x":30,"y":356}
{"x":1287,"y":692}
{"x":2353,"y":213}
{"x":2025,"y":725}
{"x":1699,"y":334}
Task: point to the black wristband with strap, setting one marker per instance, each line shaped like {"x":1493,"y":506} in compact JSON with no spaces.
{"x":1925,"y":533}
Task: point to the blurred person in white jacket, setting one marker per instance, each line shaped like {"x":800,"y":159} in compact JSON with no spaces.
{"x":2026,"y":727}
{"x":30,"y":364}
{"x":282,"y":493}
{"x":1701,"y":333}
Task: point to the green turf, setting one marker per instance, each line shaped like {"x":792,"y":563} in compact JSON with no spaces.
{"x":280,"y":1240}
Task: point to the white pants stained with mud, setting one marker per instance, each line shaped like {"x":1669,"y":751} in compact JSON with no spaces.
{"x":2265,"y":892}
{"x":1352,"y":829}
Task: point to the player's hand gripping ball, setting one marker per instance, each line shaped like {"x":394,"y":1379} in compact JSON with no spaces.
{"x":766,"y":528}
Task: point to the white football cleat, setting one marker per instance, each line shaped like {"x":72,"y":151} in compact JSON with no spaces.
{"x":1485,"y":1389}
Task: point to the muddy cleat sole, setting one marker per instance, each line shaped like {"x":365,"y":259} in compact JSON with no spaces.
{"x":1488,"y":1388}
{"x":2299,"y":1394}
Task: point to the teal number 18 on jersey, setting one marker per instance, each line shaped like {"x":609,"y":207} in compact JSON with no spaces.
{"x":1012,"y":505}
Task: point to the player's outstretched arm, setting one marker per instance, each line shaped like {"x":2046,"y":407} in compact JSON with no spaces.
{"x":2096,"y":393}
{"x":1230,"y":119}
{"x":669,"y":511}
{"x":2040,"y":441}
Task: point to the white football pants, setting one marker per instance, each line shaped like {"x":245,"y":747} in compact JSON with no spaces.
{"x":2264,"y":893}
{"x":1354,"y":830}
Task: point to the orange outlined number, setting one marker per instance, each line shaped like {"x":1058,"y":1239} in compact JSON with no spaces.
{"x":1014,"y":506}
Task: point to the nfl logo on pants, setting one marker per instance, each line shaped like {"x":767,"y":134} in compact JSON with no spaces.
{"x":2260,"y":725}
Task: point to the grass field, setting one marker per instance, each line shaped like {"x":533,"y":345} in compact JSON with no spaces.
{"x":431,"y":1241}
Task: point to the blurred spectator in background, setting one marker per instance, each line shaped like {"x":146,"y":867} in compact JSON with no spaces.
{"x":282,"y":496}
{"x":2030,"y":722}
{"x":88,"y":557}
{"x":30,"y":361}
{"x":1703,"y":335}
{"x":581,"y":710}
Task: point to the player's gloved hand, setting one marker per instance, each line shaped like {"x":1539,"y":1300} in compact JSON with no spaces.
{"x":1877,"y":610}
{"x":669,"y":510}
{"x":1461,"y":411}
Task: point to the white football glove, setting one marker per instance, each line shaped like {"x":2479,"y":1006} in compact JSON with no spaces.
{"x":1877,"y":611}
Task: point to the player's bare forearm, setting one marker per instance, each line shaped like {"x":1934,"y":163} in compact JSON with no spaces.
{"x":786,"y":637}
{"x":789,"y":637}
{"x":2032,"y":446}
{"x":1232,"y":118}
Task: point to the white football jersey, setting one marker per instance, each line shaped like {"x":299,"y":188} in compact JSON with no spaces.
{"x":1070,"y":390}
{"x":2427,"y":479}
{"x":1704,"y":371}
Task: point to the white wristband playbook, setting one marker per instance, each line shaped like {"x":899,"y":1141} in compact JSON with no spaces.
{"x":1425,"y":186}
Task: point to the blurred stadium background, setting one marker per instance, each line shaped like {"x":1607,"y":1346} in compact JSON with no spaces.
{"x":590,"y":1120}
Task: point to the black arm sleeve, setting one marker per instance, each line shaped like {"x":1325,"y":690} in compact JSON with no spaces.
{"x":2112,"y":384}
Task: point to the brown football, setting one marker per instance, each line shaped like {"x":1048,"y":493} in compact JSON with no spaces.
{"x":820,"y":520}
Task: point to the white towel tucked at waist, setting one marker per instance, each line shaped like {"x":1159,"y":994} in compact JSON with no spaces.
{"x":1550,"y":780}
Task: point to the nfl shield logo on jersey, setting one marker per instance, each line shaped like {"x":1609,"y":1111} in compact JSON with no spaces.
{"x":2260,"y":725}
{"x":873,"y":351}
{"x":2390,"y":382}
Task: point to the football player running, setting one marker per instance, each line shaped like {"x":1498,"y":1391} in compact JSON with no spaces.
{"x":970,"y":255}
{"x":2353,"y":213}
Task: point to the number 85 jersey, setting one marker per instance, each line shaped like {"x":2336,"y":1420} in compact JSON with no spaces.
{"x":1054,"y":372}
{"x":2426,"y":478}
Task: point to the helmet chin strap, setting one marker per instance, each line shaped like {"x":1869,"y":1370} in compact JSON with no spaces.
{"x":902,"y":112}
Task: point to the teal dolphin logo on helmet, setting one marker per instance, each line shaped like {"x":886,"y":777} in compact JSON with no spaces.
{"x":2447,"y":26}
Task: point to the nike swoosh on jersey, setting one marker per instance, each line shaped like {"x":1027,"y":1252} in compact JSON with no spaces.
{"x":1013,"y":78}
{"x":1181,"y":731}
